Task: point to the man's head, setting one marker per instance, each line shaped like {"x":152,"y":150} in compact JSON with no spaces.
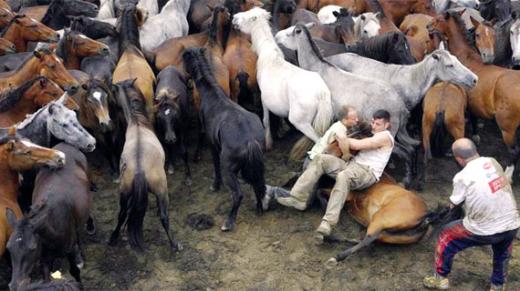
{"x":348,"y":116}
{"x":380,"y":120}
{"x":464,"y":151}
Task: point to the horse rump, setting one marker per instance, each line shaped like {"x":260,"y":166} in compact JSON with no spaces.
{"x":438,"y":135}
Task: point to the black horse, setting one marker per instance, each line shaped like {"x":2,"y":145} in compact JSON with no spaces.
{"x":503,"y":51}
{"x":235,"y":135}
{"x":390,"y":48}
{"x":92,"y":28}
{"x":495,"y":10}
{"x":51,"y":229}
{"x":172,"y":108}
{"x":57,"y":14}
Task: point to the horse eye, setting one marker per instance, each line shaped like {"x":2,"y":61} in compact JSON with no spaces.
{"x":65,"y":125}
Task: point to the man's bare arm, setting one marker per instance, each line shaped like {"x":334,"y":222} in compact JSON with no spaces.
{"x":369,"y":143}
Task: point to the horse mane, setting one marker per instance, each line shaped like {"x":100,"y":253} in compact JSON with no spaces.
{"x":129,"y":32}
{"x":134,"y":108}
{"x":52,"y":11}
{"x":469,"y":35}
{"x":375,"y":6}
{"x":204,"y":72}
{"x":232,"y":6}
{"x":8,"y":25}
{"x":11,"y":97}
{"x":213,"y":28}
{"x":314,"y":47}
{"x":375,"y":45}
{"x":503,"y":42}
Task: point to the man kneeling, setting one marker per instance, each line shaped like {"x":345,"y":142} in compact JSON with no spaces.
{"x":361,"y":172}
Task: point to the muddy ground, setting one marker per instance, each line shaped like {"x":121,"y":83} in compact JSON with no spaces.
{"x":275,"y":251}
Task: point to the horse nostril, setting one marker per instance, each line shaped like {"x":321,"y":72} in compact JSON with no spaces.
{"x":91,"y":147}
{"x":73,"y":89}
{"x":105,"y":51}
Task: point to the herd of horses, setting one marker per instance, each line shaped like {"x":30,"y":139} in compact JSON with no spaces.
{"x":127,"y":77}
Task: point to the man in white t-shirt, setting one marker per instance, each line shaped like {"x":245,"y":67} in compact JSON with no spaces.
{"x":361,"y":172}
{"x":491,"y":216}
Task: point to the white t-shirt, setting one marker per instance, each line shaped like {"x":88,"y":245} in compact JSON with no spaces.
{"x":376,"y":159}
{"x":488,"y":197}
{"x":327,"y":138}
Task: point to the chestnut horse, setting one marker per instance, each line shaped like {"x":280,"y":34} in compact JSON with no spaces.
{"x":414,"y":26}
{"x":17,"y":154}
{"x":444,"y":107}
{"x":22,"y":29}
{"x":74,"y":46}
{"x":44,"y":63}
{"x":26,"y":99}
{"x":132,"y":63}
{"x":51,"y":229}
{"x":6,"y":47}
{"x":496,"y":93}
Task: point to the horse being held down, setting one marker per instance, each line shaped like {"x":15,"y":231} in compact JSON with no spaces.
{"x":235,"y":135}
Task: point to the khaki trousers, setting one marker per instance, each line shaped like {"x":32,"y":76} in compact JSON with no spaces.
{"x":349,"y":176}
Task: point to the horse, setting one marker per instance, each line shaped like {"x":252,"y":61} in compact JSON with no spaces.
{"x":106,"y":9}
{"x":365,"y":94}
{"x":443,"y":112}
{"x":28,"y":98}
{"x":411,"y":82}
{"x":443,"y":5}
{"x":172,"y":108}
{"x":282,"y":11}
{"x":514,"y":41}
{"x":495,"y":10}
{"x":494,"y":96}
{"x":56,"y":14}
{"x":199,"y":13}
{"x":44,"y":63}
{"x":6,"y":47}
{"x":235,"y":135}
{"x":4,"y":4}
{"x":22,"y":29}
{"x":170,"y":23}
{"x":389,"y":48}
{"x":142,"y":170}
{"x":51,"y":229}
{"x":18,"y":154}
{"x":340,"y":31}
{"x":152,"y":6}
{"x":414,"y":26}
{"x":132,"y":63}
{"x":286,"y":90}
{"x":366,"y":25}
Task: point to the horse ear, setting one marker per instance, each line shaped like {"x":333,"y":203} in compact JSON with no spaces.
{"x":395,"y":37}
{"x":411,"y":31}
{"x":514,"y":15}
{"x":441,"y":46}
{"x":9,"y":146}
{"x":133,"y":81}
{"x":11,"y":217}
{"x":38,"y":54}
{"x":335,"y":13}
{"x":378,"y":15}
{"x":63,"y":98}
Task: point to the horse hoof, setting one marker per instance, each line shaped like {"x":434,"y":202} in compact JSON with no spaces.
{"x":188,"y":182}
{"x":170,"y":170}
{"x":227,"y":226}
{"x":177,"y":247}
{"x":331,"y":263}
{"x":319,"y":239}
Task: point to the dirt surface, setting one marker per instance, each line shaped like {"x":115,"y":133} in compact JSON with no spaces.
{"x":275,"y":251}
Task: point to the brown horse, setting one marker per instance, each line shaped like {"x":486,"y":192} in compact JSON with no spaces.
{"x":6,"y":47}
{"x":142,"y":169}
{"x":199,"y":16}
{"x":28,"y":98}
{"x":443,"y":110}
{"x":17,"y":155}
{"x":4,"y":4}
{"x":391,"y":214}
{"x":496,"y":93}
{"x":414,"y":26}
{"x":485,"y":40}
{"x":132,"y":63}
{"x":51,"y":229}
{"x":22,"y":29}
{"x":74,"y":46}
{"x":44,"y":63}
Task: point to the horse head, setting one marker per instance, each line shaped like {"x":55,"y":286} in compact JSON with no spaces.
{"x":485,"y":40}
{"x":514,"y":36}
{"x":52,"y":67}
{"x":449,"y":68}
{"x":400,"y":50}
{"x":83,"y":45}
{"x":78,"y":7}
{"x":63,"y":124}
{"x":344,"y":25}
{"x":368,"y":24}
{"x":245,"y":21}
{"x":23,"y":155}
{"x":44,"y":91}
{"x":168,"y":114}
{"x":97,"y":99}
{"x":33,"y":30}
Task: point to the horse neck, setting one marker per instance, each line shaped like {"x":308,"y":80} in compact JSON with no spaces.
{"x":71,"y":60}
{"x":9,"y":177}
{"x":263,"y":41}
{"x":36,"y":129}
{"x":422,"y":78}
{"x":14,"y":35}
{"x":307,"y":58}
{"x":26,"y":71}
{"x":24,"y":106}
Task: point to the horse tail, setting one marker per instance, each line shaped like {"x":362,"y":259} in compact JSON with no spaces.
{"x":321,"y":123}
{"x":150,"y":58}
{"x":438,"y":134}
{"x":243,"y":92}
{"x":402,"y":133}
{"x":253,"y":168}
{"x":136,"y":206}
{"x":439,"y":217}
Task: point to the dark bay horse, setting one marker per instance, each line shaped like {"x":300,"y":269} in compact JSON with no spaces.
{"x":26,"y":99}
{"x":236,"y":136}
{"x":132,"y":63}
{"x":172,"y":112}
{"x":92,"y":28}
{"x":141,"y":168}
{"x":55,"y":15}
{"x":16,"y":155}
{"x":51,"y":229}
{"x":495,"y":95}
{"x":22,"y":29}
{"x":44,"y":63}
{"x":390,"y":48}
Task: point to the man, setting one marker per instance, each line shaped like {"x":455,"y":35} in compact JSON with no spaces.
{"x":491,"y":216}
{"x":361,"y":172}
{"x":347,"y":118}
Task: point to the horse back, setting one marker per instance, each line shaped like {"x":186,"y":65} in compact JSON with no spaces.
{"x":482,"y":97}
{"x":76,"y":196}
{"x":170,"y":51}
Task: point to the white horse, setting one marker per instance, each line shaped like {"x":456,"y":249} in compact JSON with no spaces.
{"x":287,"y":90}
{"x":170,"y":23}
{"x":514,"y":37}
{"x":443,"y":5}
{"x":326,"y":16}
{"x":366,"y":25}
{"x":411,"y":82}
{"x":152,"y":6}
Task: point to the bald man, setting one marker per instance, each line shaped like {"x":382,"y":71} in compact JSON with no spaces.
{"x":491,"y":216}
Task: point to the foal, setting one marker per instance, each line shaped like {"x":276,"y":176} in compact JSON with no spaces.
{"x":235,"y":135}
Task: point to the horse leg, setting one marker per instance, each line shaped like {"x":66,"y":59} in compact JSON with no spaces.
{"x":216,"y":164}
{"x":73,"y":269}
{"x":267,"y":128}
{"x":162,"y":205}
{"x":300,"y":120}
{"x":170,"y":159}
{"x":184,"y":154}
{"x":473,"y":120}
{"x":426,"y":132}
{"x":123,"y":200}
{"x":369,"y":239}
{"x":47,"y":263}
{"x":230,"y":176}
{"x":405,"y":153}
{"x":200,"y":142}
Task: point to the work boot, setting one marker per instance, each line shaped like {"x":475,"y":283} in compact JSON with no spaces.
{"x":497,"y":287}
{"x":436,"y":282}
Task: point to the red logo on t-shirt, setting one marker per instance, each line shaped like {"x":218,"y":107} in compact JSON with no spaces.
{"x":497,"y":184}
{"x":487,"y":165}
